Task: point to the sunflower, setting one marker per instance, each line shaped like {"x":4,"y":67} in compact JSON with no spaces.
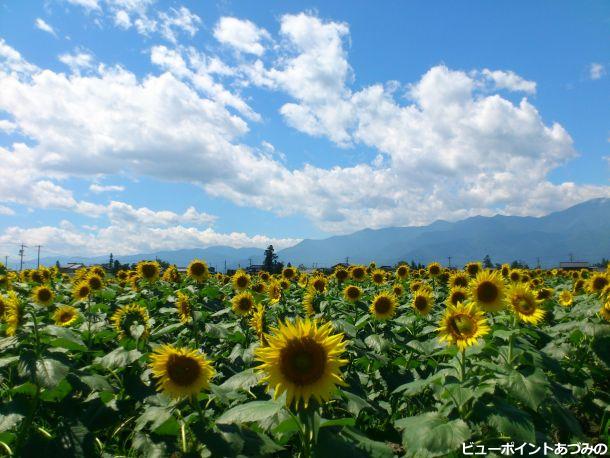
{"x":473,"y":268}
{"x":422,"y":301}
{"x":505,"y":270}
{"x":341,"y":274}
{"x":456,"y":295}
{"x":378,"y":276}
{"x":264,"y":276}
{"x":240,"y":280}
{"x":487,"y":291}
{"x":302,"y":359}
{"x":259,"y":287}
{"x":123,"y":275}
{"x":81,"y":290}
{"x":274,"y":291}
{"x":303,"y":280}
{"x":13,"y":315}
{"x":398,"y":290}
{"x":183,"y":305}
{"x":514,"y":275}
{"x":289,"y":273}
{"x":525,"y":304}
{"x":180,"y":372}
{"x":43,"y":295}
{"x":36,"y":276}
{"x":259,"y":324}
{"x":458,"y":279}
{"x":434,"y":269}
{"x":243,"y":303}
{"x":544,"y":294}
{"x":597,"y":282}
{"x":3,"y":307}
{"x":4,"y":282}
{"x":352,"y":293}
{"x":95,"y":282}
{"x":284,"y":284}
{"x":130,"y":315}
{"x":198,"y":270}
{"x":565,"y":298}
{"x":358,"y":273}
{"x":171,"y":274}
{"x":402,"y":272}
{"x":415,"y":285}
{"x":579,"y":286}
{"x":65,"y":315}
{"x":148,"y":270}
{"x":384,"y":306}
{"x":462,"y":325}
{"x":319,"y":283}
{"x":311,"y":301}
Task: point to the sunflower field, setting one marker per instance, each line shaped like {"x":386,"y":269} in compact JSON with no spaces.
{"x":355,"y":362}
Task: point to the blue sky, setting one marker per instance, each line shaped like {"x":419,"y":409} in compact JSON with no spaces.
{"x":138,"y":125}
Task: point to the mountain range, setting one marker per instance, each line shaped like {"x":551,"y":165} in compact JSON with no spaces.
{"x":581,"y":232}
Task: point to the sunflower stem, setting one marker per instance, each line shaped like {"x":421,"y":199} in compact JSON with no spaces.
{"x":463,"y":365}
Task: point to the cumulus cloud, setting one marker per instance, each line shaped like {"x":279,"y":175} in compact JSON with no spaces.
{"x":77,"y":61}
{"x":68,"y":239}
{"x":454,"y":148}
{"x":510,"y":80}
{"x":40,"y":24}
{"x":98,"y":189}
{"x":241,"y":34}
{"x":597,"y":71}
{"x":6,"y":211}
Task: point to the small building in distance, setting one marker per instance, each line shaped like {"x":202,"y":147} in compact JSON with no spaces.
{"x":574,"y":265}
{"x":71,"y":267}
{"x":254,"y":268}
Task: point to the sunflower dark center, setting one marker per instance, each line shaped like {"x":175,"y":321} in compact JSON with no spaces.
{"x":303,"y":361}
{"x":599,"y":283}
{"x":198,"y":269}
{"x":245,"y":304}
{"x":242,"y":282}
{"x":525,"y":306}
{"x":487,"y":292}
{"x":341,"y":275}
{"x":358,"y":273}
{"x":182,"y":370}
{"x":473,"y":269}
{"x":44,"y":295}
{"x":95,"y":282}
{"x":462,"y":325}
{"x":65,"y":317}
{"x":353,"y":292}
{"x":378,"y":278}
{"x":421,"y":303}
{"x":383,"y":305}
{"x":319,"y":285}
{"x":457,"y":296}
{"x":434,"y":270}
{"x":149,"y":271}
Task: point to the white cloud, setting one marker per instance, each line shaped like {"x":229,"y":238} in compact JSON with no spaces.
{"x":241,"y":34}
{"x":455,"y":149}
{"x":45,"y":27}
{"x":597,"y":71}
{"x":7,"y":126}
{"x":6,"y":211}
{"x":510,"y":80}
{"x":77,"y":61}
{"x":87,"y":4}
{"x":67,"y":239}
{"x":122,"y":19}
{"x":97,"y":188}
{"x":181,"y":19}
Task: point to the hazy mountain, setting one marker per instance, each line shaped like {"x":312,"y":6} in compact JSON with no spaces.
{"x":582,"y":230}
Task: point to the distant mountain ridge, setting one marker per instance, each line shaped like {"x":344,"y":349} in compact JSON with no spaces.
{"x":582,"y":231}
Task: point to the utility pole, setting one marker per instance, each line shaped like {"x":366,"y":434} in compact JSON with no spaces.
{"x":347,"y":260}
{"x":225,"y":266}
{"x":250,"y":261}
{"x":538,"y":263}
{"x":449,"y":259}
{"x":38,"y":258}
{"x":6,"y":261}
{"x":571,"y":257}
{"x":21,"y":252}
